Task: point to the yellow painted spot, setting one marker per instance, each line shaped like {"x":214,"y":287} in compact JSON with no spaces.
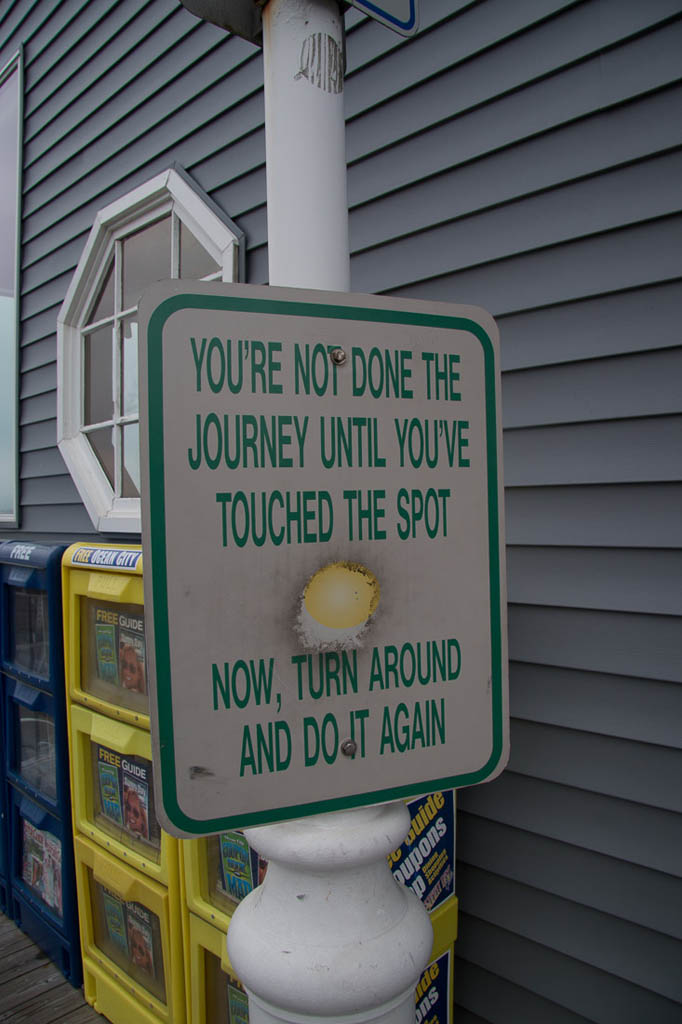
{"x":341,"y":595}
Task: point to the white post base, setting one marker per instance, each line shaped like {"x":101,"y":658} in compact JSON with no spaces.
{"x":330,"y":935}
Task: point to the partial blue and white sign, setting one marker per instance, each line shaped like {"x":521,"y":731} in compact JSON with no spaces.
{"x":400,"y":15}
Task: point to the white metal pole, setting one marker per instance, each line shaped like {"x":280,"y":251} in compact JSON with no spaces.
{"x":330,"y":936}
{"x":305,"y":144}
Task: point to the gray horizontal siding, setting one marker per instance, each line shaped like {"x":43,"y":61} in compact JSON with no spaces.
{"x":458,"y":183}
{"x":629,"y":707}
{"x":633,"y":385}
{"x":502,"y":1001}
{"x":638,"y":956}
{"x":622,"y":829}
{"x":615,"y":451}
{"x":107,"y":29}
{"x":619,"y":260}
{"x":610,"y":579}
{"x":620,"y":322}
{"x":650,"y":899}
{"x":639,"y":192}
{"x":628,"y":515}
{"x":639,"y":772}
{"x":121,"y":127}
{"x":586,"y":991}
{"x":617,"y":643}
{"x":563,"y":60}
{"x":20,"y":22}
{"x":56,"y":524}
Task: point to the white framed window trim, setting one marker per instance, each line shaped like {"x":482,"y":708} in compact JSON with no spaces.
{"x":170,"y":192}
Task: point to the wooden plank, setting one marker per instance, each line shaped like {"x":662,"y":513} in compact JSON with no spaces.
{"x":38,"y":983}
{"x":62,"y":1002}
{"x":32,"y":989}
{"x":20,"y":958}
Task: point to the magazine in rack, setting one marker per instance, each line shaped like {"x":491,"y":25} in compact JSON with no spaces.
{"x":115,"y":663}
{"x":124,"y":804}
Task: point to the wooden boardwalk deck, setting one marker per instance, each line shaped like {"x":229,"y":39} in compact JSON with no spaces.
{"x":32,"y":989}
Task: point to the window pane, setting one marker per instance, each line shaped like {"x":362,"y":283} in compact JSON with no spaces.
{"x":102,"y":442}
{"x":129,"y":399}
{"x":41,"y":865}
{"x":195,"y":262}
{"x":146,"y":259}
{"x":98,"y":394}
{"x":34,"y":731}
{"x":104,"y":304}
{"x":29,"y":635}
{"x":131,"y":460}
{"x":9,"y":192}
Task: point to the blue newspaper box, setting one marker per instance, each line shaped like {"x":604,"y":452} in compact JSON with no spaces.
{"x":43,"y":883}
{"x":4,"y":823}
{"x":40,"y":870}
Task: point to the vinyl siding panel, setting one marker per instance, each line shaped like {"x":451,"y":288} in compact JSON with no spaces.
{"x":620,"y":829}
{"x":612,"y":452}
{"x":620,"y":322}
{"x":622,"y":890}
{"x":524,"y":157}
{"x":586,"y":991}
{"x":617,"y":643}
{"x":628,"y":952}
{"x":615,"y":579}
{"x":628,"y":515}
{"x":612,"y":705}
{"x":566,"y":74}
{"x":502,"y":1001}
{"x":641,"y":384}
{"x":526,"y":165}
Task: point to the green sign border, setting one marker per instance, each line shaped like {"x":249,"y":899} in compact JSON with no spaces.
{"x":157,"y":519}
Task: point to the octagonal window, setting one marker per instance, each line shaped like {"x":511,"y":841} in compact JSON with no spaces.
{"x":165,"y":229}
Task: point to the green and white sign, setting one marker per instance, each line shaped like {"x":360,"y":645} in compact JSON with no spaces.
{"x":323,"y":544}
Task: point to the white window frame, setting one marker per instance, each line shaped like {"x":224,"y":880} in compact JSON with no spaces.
{"x":169,"y":192}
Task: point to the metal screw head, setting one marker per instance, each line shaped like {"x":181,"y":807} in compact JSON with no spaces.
{"x":338,"y":356}
{"x":348,"y":748}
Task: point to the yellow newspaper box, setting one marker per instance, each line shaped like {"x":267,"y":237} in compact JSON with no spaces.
{"x":104,"y":630}
{"x":131,"y":939}
{"x":113,"y":794}
{"x":214,"y":994}
{"x":219,"y":871}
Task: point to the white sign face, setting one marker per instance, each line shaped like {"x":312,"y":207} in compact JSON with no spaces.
{"x":324,"y":575}
{"x":400,"y":15}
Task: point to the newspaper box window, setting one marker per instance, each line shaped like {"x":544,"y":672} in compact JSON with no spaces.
{"x":165,"y":228}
